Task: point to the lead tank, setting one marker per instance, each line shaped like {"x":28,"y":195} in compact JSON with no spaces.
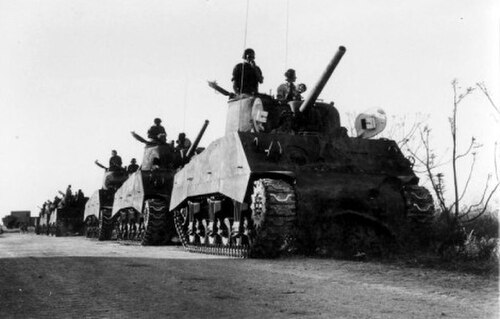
{"x":286,"y":175}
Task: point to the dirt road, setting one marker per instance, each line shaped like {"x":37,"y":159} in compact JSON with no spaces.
{"x":74,"y":277}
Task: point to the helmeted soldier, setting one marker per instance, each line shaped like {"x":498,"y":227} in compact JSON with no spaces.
{"x":247,"y":75}
{"x":183,"y":143}
{"x":288,"y":91}
{"x":115,"y":162}
{"x":132,"y":167}
{"x":157,"y":132}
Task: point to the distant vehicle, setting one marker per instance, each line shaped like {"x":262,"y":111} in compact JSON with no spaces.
{"x":63,"y":218}
{"x":42,"y":224}
{"x":66,"y":219}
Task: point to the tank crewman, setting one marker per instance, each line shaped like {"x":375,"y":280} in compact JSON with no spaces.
{"x":157,"y":132}
{"x":132,"y":167}
{"x":247,"y":75}
{"x":69,"y":195}
{"x":79,"y":196}
{"x":67,"y":198}
{"x":68,"y":192}
{"x":288,"y":91}
{"x":56,"y":200}
{"x":115,"y":162}
{"x":183,"y":144}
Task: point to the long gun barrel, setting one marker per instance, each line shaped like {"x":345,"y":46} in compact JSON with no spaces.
{"x":193,"y":147}
{"x":314,"y":93}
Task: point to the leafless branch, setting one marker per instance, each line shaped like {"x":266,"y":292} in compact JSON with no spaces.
{"x":474,"y":206}
{"x":485,"y":206}
{"x":495,"y":160}
{"x":471,"y":169}
{"x":472,"y":145}
{"x":483,"y":88}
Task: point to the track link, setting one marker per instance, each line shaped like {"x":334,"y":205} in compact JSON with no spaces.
{"x":158,"y":228}
{"x":273,"y":221}
{"x":419,"y":204}
{"x":106,"y":224}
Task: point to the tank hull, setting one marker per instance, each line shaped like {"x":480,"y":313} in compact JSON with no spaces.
{"x":229,"y":163}
{"x":67,"y":220}
{"x":337,"y":182}
{"x":97,"y":215}
{"x":140,"y":208}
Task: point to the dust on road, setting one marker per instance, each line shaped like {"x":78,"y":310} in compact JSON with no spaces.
{"x":74,"y":277}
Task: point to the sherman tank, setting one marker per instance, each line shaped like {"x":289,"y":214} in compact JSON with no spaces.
{"x":140,"y":208}
{"x":97,"y":215}
{"x":66,"y":217}
{"x":287,"y":176}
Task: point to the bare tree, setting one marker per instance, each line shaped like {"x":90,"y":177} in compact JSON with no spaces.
{"x":427,"y":158}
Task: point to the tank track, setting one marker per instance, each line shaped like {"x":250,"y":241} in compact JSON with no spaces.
{"x":219,"y":250}
{"x":272,"y":223}
{"x":157,"y":226}
{"x":419,"y":204}
{"x":91,"y":228}
{"x":106,"y":224}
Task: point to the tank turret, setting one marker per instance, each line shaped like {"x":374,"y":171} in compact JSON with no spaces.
{"x":286,"y":175}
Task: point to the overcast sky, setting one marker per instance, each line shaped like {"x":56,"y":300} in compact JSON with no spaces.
{"x":77,"y":76}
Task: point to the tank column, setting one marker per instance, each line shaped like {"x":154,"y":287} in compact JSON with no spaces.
{"x":214,"y":207}
{"x":194,"y":208}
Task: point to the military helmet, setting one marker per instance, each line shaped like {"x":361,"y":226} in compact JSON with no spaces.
{"x":247,"y":52}
{"x":157,"y":120}
{"x":290,"y":73}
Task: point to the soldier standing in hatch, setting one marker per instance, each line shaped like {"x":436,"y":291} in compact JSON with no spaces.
{"x":157,"y":132}
{"x":288,"y":91}
{"x":115,"y":162}
{"x":247,"y":75}
{"x":132,"y":167}
{"x":183,"y":144}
